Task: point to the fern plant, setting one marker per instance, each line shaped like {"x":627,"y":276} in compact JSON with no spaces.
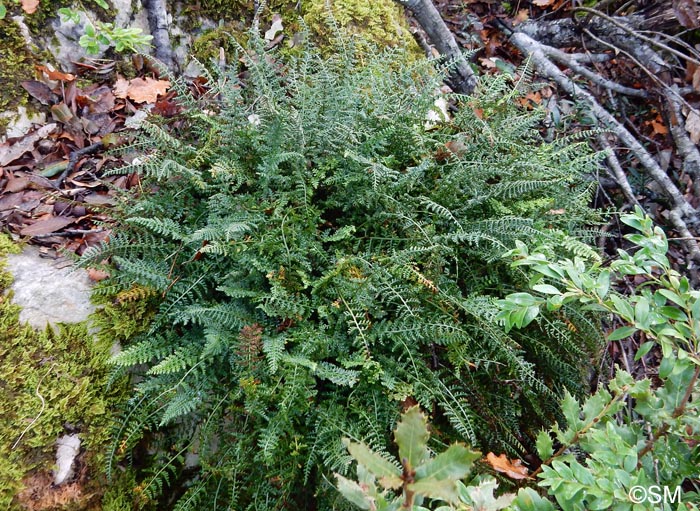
{"x":323,"y":258}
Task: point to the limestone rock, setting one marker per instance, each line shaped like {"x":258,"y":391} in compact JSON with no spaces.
{"x":49,"y":291}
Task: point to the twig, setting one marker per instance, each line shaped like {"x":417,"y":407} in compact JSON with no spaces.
{"x":68,"y":232}
{"x":43,"y":405}
{"x":74,"y":158}
{"x":635,"y":33}
{"x":686,"y":148}
{"x":680,"y":207}
{"x":575,"y":66}
{"x":618,"y":173}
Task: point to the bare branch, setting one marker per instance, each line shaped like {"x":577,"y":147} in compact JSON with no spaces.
{"x":462,"y":78}
{"x":681,"y":209}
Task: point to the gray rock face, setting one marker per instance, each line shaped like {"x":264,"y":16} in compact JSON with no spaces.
{"x":49,"y":290}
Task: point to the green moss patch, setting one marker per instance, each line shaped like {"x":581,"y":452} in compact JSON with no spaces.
{"x":17,"y":65}
{"x":52,"y":382}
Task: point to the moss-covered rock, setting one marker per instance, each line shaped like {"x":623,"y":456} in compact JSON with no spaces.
{"x":52,"y":382}
{"x":380,"y":22}
{"x":17,"y":65}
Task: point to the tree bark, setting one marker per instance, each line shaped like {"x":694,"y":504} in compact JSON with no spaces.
{"x":462,"y":78}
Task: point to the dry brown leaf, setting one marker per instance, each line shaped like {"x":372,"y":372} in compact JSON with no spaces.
{"x":542,"y":3}
{"x":10,"y":152}
{"x":55,"y":75}
{"x":687,"y":13}
{"x":696,"y":79}
{"x":522,"y":16}
{"x":52,"y":224}
{"x":692,"y":126}
{"x":502,"y":464}
{"x":274,"y":28}
{"x":29,"y":6}
{"x":97,"y":275}
{"x":147,"y":90}
{"x":121,"y":87}
{"x":659,"y":128}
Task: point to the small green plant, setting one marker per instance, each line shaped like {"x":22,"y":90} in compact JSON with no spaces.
{"x":318,"y":256}
{"x":632,"y":437}
{"x":100,"y":34}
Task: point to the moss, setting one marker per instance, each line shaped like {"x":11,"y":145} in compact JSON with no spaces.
{"x":206,"y":47}
{"x":51,"y":381}
{"x":17,"y":65}
{"x":380,"y":22}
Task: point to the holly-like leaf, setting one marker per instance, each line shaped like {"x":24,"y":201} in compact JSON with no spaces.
{"x":353,"y":492}
{"x":544,"y":445}
{"x":455,"y":463}
{"x":502,"y":464}
{"x":412,"y":435}
{"x":388,"y":474}
{"x":445,"y":489}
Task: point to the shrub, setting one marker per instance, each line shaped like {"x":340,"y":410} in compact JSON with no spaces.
{"x":632,"y":446}
{"x":324,"y":259}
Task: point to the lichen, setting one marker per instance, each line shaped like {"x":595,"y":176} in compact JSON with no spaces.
{"x":51,"y":382}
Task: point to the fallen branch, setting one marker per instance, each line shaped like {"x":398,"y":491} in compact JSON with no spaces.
{"x":462,"y":78}
{"x":681,"y":211}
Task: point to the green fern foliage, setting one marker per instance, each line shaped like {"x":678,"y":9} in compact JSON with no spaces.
{"x":321,"y":259}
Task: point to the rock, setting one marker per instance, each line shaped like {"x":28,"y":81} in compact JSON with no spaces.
{"x":49,"y":291}
{"x":21,"y":122}
{"x":68,"y":447}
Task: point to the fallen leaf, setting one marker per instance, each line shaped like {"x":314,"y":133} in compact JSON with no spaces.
{"x":55,"y":75}
{"x":522,"y":16}
{"x":696,"y":79}
{"x":542,"y":3}
{"x":29,"y":6}
{"x":692,"y":126}
{"x":488,"y":63}
{"x":97,"y":275}
{"x":9,"y":153}
{"x":10,"y":201}
{"x":687,"y":13}
{"x":38,"y":90}
{"x":47,"y":226}
{"x":121,"y":88}
{"x":658,"y":128}
{"x":146,"y":90}
{"x":61,"y":113}
{"x":274,"y":28}
{"x":512,"y":469}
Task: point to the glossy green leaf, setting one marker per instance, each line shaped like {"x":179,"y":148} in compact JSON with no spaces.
{"x":546,"y":289}
{"x":454,"y":463}
{"x":621,"y":333}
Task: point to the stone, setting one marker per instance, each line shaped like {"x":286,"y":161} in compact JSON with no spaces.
{"x":49,"y":291}
{"x":67,"y":449}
